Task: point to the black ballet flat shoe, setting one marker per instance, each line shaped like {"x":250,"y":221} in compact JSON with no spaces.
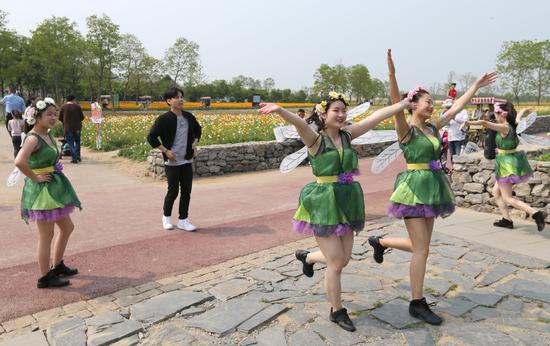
{"x":51,"y":280}
{"x":342,"y":319}
{"x":307,"y":268}
{"x":63,"y":270}
{"x":378,"y":254}
{"x":505,"y":223}
{"x":539,"y":217}
{"x":419,"y":308}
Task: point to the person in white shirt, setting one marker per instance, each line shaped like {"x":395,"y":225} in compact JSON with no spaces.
{"x":457,"y":137}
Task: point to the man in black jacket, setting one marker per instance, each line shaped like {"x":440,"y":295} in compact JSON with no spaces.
{"x":179,"y":133}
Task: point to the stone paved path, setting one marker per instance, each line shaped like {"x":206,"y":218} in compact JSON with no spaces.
{"x":487,"y":296}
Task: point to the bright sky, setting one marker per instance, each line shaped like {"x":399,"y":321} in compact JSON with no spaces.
{"x":289,"y":39}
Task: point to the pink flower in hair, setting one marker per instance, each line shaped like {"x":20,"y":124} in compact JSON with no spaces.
{"x":415,"y":91}
{"x":499,"y":110}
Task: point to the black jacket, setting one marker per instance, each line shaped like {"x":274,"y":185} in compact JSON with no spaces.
{"x":165,"y":128}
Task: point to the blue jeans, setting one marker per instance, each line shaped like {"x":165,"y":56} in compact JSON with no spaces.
{"x":73,"y":139}
{"x":455,"y":147}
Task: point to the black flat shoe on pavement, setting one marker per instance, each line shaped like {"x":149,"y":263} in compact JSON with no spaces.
{"x":378,"y":254}
{"x":342,"y":319}
{"x":505,"y":223}
{"x":420,"y":309}
{"x":539,"y":217}
{"x":51,"y":280}
{"x":307,"y":268}
{"x":62,"y":269}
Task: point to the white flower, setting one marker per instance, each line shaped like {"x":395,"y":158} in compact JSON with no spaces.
{"x":41,"y":105}
{"x":31,"y":121}
{"x":333,"y":95}
{"x":49,"y":100}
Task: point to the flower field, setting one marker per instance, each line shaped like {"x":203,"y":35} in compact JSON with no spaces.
{"x":127,"y":132}
{"x":132,"y":105}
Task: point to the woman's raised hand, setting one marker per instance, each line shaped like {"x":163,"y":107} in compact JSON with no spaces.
{"x":267,"y":108}
{"x":391,"y":66}
{"x":486,"y":79}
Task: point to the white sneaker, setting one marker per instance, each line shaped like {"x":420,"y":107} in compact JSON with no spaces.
{"x":167,"y":223}
{"x":186,"y":225}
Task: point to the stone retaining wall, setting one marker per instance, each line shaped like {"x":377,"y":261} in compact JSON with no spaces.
{"x":542,"y":124}
{"x":473,"y":180}
{"x":245,"y":157}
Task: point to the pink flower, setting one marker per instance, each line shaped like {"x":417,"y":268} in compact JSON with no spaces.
{"x":415,"y":91}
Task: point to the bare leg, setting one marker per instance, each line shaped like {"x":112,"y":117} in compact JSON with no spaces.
{"x":45,"y":236}
{"x":420,"y":233}
{"x":403,"y":244}
{"x":500,"y":201}
{"x":334,"y":251}
{"x":66,"y":227}
{"x":506,"y":192}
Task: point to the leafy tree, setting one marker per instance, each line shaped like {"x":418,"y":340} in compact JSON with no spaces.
{"x":182,"y":62}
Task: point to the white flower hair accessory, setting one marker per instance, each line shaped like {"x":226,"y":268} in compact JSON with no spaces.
{"x":49,"y":100}
{"x":31,"y":121}
{"x":41,"y":105}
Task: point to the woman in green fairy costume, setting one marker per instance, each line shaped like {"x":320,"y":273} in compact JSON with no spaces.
{"x":332,"y":207}
{"x":421,"y":193}
{"x":511,"y":165}
{"x":48,"y":197}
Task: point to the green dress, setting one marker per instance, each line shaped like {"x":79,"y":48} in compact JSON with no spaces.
{"x":48,"y":201}
{"x":422,"y":191}
{"x":511,"y":167}
{"x":334,"y":204}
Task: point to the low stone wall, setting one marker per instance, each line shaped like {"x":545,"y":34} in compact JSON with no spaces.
{"x":542,"y":124}
{"x":473,"y":179}
{"x":245,"y":157}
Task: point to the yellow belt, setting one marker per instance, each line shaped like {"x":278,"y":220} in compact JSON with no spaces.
{"x":327,"y":179}
{"x":418,"y":166}
{"x":44,"y":170}
{"x":503,"y":151}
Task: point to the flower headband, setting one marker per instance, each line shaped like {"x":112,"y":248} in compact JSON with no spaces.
{"x":40,"y":106}
{"x":499,"y":110}
{"x":414,"y":92}
{"x":321,"y":107}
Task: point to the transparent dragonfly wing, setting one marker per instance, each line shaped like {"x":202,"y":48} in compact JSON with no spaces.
{"x":471,"y":147}
{"x":534,"y":140}
{"x":279,"y":134}
{"x":526,"y":122}
{"x":386,"y":157}
{"x":376,"y":136}
{"x":358,"y":110}
{"x":293,"y":160}
{"x":13,"y":178}
{"x":290,"y":132}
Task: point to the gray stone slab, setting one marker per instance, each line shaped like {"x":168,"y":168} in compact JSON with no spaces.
{"x":475,"y":334}
{"x":299,"y":316}
{"x":225,"y":318}
{"x":437,"y":286}
{"x":311,"y":298}
{"x":190,"y":311}
{"x":34,"y":339}
{"x":230,"y":289}
{"x":371,"y":327}
{"x":474,"y":256}
{"x":306,"y":338}
{"x":469,"y":269}
{"x":359,"y":249}
{"x":103,"y":321}
{"x":263,"y":317}
{"x":114,"y":333}
{"x":265,"y":275}
{"x":499,"y":272}
{"x":268,"y":297}
{"x":482,"y":313}
{"x":69,"y":332}
{"x":370,"y":300}
{"x":129,"y":341}
{"x":442,"y":262}
{"x":510,"y":306}
{"x":523,"y":323}
{"x":529,"y":339}
{"x":482,"y":298}
{"x":418,"y":337}
{"x":397,"y":257}
{"x":335,"y":335}
{"x":454,"y":307}
{"x":450,"y":251}
{"x":527,"y":289}
{"x":464,"y":282}
{"x":166,"y":305}
{"x":169,"y":334}
{"x":395,"y":313}
{"x":294,"y":273}
{"x":279,"y":262}
{"x":392,"y":272}
{"x":274,"y":336}
{"x":359,"y":283}
{"x":305,"y":283}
